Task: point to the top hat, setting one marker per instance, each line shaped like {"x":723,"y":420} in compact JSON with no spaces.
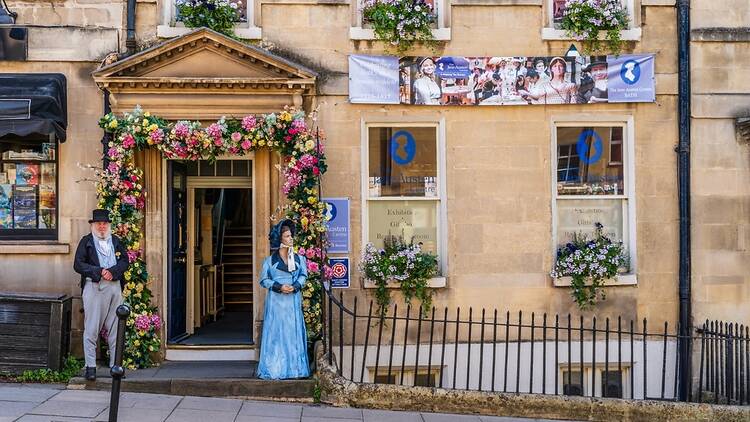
{"x":595,"y":61}
{"x":100,"y":216}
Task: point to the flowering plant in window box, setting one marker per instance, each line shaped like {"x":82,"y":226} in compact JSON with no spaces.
{"x":584,"y":19}
{"x":589,"y":263}
{"x":400,"y":23}
{"x":219,"y":15}
{"x":399,"y":262}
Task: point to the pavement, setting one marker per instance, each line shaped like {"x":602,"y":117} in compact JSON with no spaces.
{"x":55,"y":403}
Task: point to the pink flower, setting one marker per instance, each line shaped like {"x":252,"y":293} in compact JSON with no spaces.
{"x":112,"y":153}
{"x":246,"y":144}
{"x":128,"y":141}
{"x":301,"y":251}
{"x":132,"y":256}
{"x":236,"y":136}
{"x":316,"y":171}
{"x":214,"y":131}
{"x":328,"y":271}
{"x":143,"y":322}
{"x":218,"y":142}
{"x":134,"y":178}
{"x":129,"y":199}
{"x":156,"y":321}
{"x":248,"y":122}
{"x":312,"y":267}
{"x":113,"y":167}
{"x":181,"y":129}
{"x":157,"y":136}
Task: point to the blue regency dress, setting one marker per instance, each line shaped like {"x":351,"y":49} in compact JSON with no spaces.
{"x":283,"y":349}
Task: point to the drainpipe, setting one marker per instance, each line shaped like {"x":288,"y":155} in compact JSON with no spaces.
{"x":130,"y":36}
{"x":683,"y":181}
{"x":107,"y":136}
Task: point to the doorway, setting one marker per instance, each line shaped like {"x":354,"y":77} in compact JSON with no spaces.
{"x":213,"y":292}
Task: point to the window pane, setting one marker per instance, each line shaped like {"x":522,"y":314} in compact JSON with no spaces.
{"x":582,"y":164}
{"x":223,"y":167}
{"x":612,"y":384}
{"x":572,"y":383}
{"x":385,"y":379}
{"x":28,"y":189}
{"x":576,"y":216}
{"x":424,"y":380}
{"x":403,"y":161}
{"x":240,"y":167}
{"x":415,"y":220}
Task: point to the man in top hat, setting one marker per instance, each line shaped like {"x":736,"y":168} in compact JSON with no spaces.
{"x":101,"y":260}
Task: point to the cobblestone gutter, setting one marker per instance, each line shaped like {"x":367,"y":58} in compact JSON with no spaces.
{"x":338,"y":391}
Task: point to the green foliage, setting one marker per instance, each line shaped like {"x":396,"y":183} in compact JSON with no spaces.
{"x":71,"y":368}
{"x":584,"y":19}
{"x":594,"y":260}
{"x":400,"y":262}
{"x":317,"y":391}
{"x":219,"y":15}
{"x":400,"y":23}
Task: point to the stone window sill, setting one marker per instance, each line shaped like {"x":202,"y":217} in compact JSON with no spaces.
{"x":33,"y":248}
{"x":435,"y":283}
{"x":359,"y":33}
{"x":551,"y":34}
{"x":622,"y":280}
{"x":167,"y":31}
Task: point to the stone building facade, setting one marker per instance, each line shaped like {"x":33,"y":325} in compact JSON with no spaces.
{"x":496,"y":212}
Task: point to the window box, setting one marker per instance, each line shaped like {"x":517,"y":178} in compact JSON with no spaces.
{"x":171,"y":27}
{"x":555,"y":9}
{"x":368,"y":34}
{"x":435,"y":283}
{"x":622,"y":280}
{"x":441,"y":32}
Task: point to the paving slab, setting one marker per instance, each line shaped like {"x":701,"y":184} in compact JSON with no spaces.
{"x":48,"y":418}
{"x":10,"y":410}
{"x":79,"y":409}
{"x":26,"y":393}
{"x":210,"y":404}
{"x":328,"y":419}
{"x":370,"y":415}
{"x":84,"y":396}
{"x":191,"y":415}
{"x":149,"y":401}
{"x":278,"y":410}
{"x":254,"y":418}
{"x":133,"y":414}
{"x":447,"y":417}
{"x":332,"y":412}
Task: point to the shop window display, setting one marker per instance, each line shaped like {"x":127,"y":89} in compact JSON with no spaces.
{"x":28,"y":189}
{"x":403,"y":195}
{"x":591,"y":184}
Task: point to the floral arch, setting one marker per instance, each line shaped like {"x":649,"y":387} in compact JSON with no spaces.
{"x":120,"y":190}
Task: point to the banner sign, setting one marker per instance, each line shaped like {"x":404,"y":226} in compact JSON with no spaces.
{"x":337,"y":216}
{"x":339,"y":272}
{"x":520,"y":80}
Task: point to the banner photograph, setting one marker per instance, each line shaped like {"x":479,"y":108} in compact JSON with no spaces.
{"x":519,"y":80}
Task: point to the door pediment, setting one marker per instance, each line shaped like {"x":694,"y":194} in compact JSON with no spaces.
{"x":192,"y":69}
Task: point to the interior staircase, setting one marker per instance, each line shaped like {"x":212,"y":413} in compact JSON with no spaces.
{"x":238,"y":269}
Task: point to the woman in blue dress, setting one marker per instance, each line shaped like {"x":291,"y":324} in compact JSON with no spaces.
{"x":283,"y":349}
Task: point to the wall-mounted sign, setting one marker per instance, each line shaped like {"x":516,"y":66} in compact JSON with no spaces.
{"x":339,"y":273}
{"x":337,"y":215}
{"x":519,"y":80}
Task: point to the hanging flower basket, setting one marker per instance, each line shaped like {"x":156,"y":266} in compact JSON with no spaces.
{"x":400,"y":23}
{"x":219,"y":15}
{"x":590,"y":263}
{"x":585,"y":20}
{"x":399,"y":262}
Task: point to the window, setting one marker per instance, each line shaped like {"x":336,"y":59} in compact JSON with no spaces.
{"x":171,"y":25}
{"x":611,"y":383}
{"x":422,"y":377}
{"x":404,"y":186}
{"x":594,"y":182}
{"x":28,"y":188}
{"x":556,"y":9}
{"x":441,"y":28}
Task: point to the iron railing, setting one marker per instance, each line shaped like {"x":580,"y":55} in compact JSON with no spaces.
{"x":724,"y":371}
{"x":488,"y":350}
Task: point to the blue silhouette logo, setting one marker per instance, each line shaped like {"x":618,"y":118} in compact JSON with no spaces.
{"x":331,"y":211}
{"x":582,"y":147}
{"x":630,"y":72}
{"x":403,"y":152}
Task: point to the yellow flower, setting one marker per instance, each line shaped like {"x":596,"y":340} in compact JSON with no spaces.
{"x":113,"y":124}
{"x":312,"y":200}
{"x":153,"y":127}
{"x":309,"y":145}
{"x":127,"y":275}
{"x":138,"y":295}
{"x":126,"y":293}
{"x":262,"y":142}
{"x":147,"y":114}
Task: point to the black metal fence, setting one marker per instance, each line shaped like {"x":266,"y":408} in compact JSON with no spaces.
{"x":487,"y":350}
{"x":724,"y":372}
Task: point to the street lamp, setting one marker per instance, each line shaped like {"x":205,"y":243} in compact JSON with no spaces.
{"x":572,"y":51}
{"x":6,"y":16}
